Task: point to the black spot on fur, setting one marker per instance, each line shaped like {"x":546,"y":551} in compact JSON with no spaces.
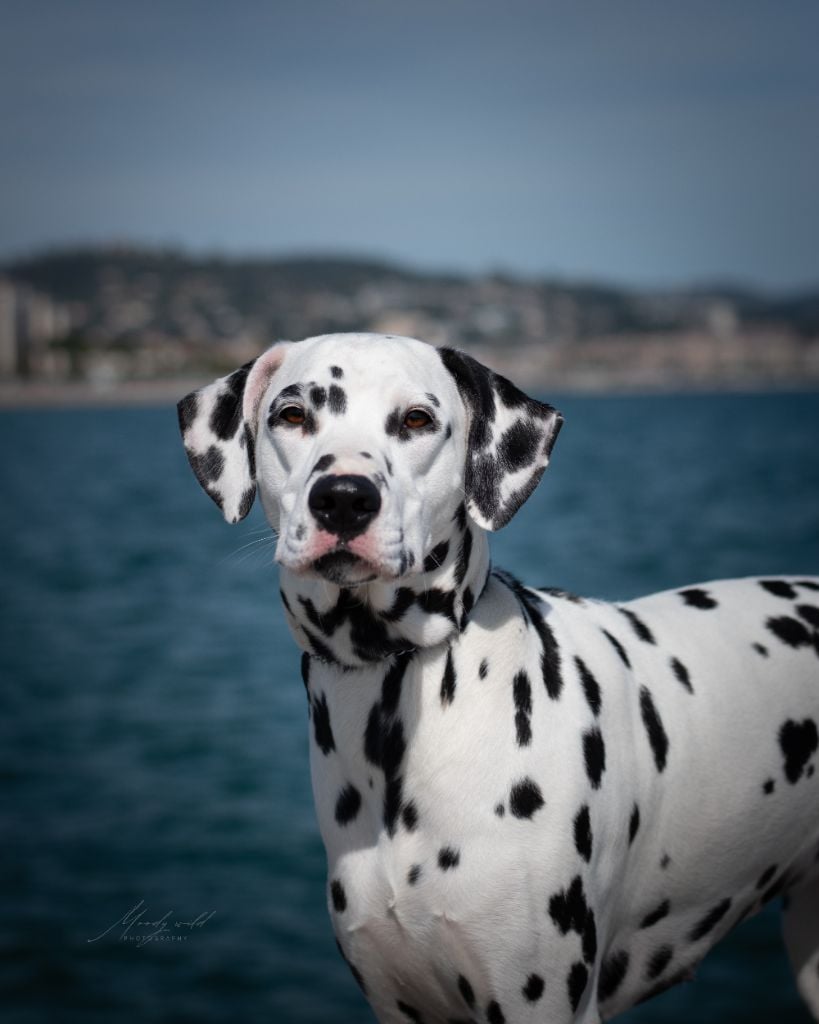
{"x":187,"y":410}
{"x":494,"y":1014}
{"x":466,"y":991}
{"x":810,"y":613}
{"x":779,"y":588}
{"x":697,"y":598}
{"x":368,"y":631}
{"x":681,"y":672}
{"x":251,"y":451}
{"x":790,"y":631}
{"x":337,"y":372}
{"x":409,"y":816}
{"x":500,"y":810}
{"x":576,"y":983}
{"x":448,"y":857}
{"x":710,"y":921}
{"x":305,"y":672}
{"x":766,"y":876}
{"x":318,"y":396}
{"x":384,"y":743}
{"x":392,"y":684}
{"x":594,"y":754}
{"x":591,"y":687}
{"x":522,"y":692}
{"x":656,"y":915}
{"x":436,"y":558}
{"x":414,"y":874}
{"x":321,"y":726}
{"x":467,"y":601}
{"x":533,"y":989}
{"x":365,"y":455}
{"x":768,"y":787}
{"x":654,"y":728}
{"x":583,"y":833}
{"x":339,"y":896}
{"x":569,"y":911}
{"x":760,"y":649}
{"x":549,"y":651}
{"x":464,"y":554}
{"x":246,"y":502}
{"x":659,"y":961}
{"x":808,"y":584}
{"x":449,"y":680}
{"x":483,"y":669}
{"x":525,"y":798}
{"x":798,"y":741}
{"x":615,"y":643}
{"x":639,"y":627}
{"x":402,"y":602}
{"x":227,"y":410}
{"x":208,"y":467}
{"x":437,"y":602}
{"x":323,"y":463}
{"x":409,"y":1012}
{"x":612,"y":974}
{"x":633,"y":824}
{"x":518,"y":446}
{"x":348,"y":805}
{"x":336,"y":400}
{"x":665,"y":860}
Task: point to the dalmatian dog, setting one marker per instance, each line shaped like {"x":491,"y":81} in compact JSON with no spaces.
{"x":536,"y":807}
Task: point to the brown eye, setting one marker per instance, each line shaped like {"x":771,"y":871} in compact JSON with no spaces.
{"x":292,"y":414}
{"x":417,"y":418}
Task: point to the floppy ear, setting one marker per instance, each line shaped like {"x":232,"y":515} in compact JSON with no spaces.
{"x":509,"y":442}
{"x":218,"y":424}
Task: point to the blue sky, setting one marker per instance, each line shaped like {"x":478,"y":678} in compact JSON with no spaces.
{"x":643,"y":141}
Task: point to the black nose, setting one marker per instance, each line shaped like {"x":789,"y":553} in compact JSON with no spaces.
{"x":344,"y":504}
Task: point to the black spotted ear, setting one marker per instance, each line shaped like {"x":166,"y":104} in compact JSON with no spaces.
{"x":218,"y":424}
{"x":509,"y":442}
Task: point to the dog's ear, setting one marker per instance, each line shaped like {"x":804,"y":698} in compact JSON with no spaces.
{"x":218,"y":424}
{"x":509,"y":441}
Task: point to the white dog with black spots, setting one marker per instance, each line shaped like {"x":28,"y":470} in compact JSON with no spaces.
{"x":536,"y":807}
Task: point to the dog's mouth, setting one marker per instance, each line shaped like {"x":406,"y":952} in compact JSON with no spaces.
{"x":344,"y":568}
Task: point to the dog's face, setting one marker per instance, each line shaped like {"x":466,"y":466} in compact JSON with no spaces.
{"x":364,"y":448}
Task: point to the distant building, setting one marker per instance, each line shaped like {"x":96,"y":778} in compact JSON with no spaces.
{"x":8,"y":329}
{"x":29,"y":322}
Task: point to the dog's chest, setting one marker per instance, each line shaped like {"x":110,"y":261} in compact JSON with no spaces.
{"x":438,"y":784}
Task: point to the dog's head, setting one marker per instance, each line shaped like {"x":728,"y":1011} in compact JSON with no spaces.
{"x":364,"y":448}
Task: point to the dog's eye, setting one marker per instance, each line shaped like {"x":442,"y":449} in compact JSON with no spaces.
{"x":292,"y":414}
{"x":417,"y":418}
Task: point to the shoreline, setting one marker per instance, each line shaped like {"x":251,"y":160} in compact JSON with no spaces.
{"x":167,"y":391}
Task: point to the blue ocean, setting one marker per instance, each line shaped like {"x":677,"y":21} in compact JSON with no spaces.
{"x":160,"y":859}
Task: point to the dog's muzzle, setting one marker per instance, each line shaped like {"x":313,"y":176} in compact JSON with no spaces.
{"x":344,"y":504}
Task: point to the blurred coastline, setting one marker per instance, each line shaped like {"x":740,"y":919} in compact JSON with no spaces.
{"x":123,"y":325}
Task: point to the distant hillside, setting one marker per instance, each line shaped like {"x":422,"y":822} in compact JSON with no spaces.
{"x":117,"y":314}
{"x":69,"y":275}
{"x":218,"y":292}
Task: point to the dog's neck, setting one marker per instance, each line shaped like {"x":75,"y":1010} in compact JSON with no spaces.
{"x":358,"y":626}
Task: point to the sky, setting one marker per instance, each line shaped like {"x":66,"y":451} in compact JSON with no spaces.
{"x":647,"y":142}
